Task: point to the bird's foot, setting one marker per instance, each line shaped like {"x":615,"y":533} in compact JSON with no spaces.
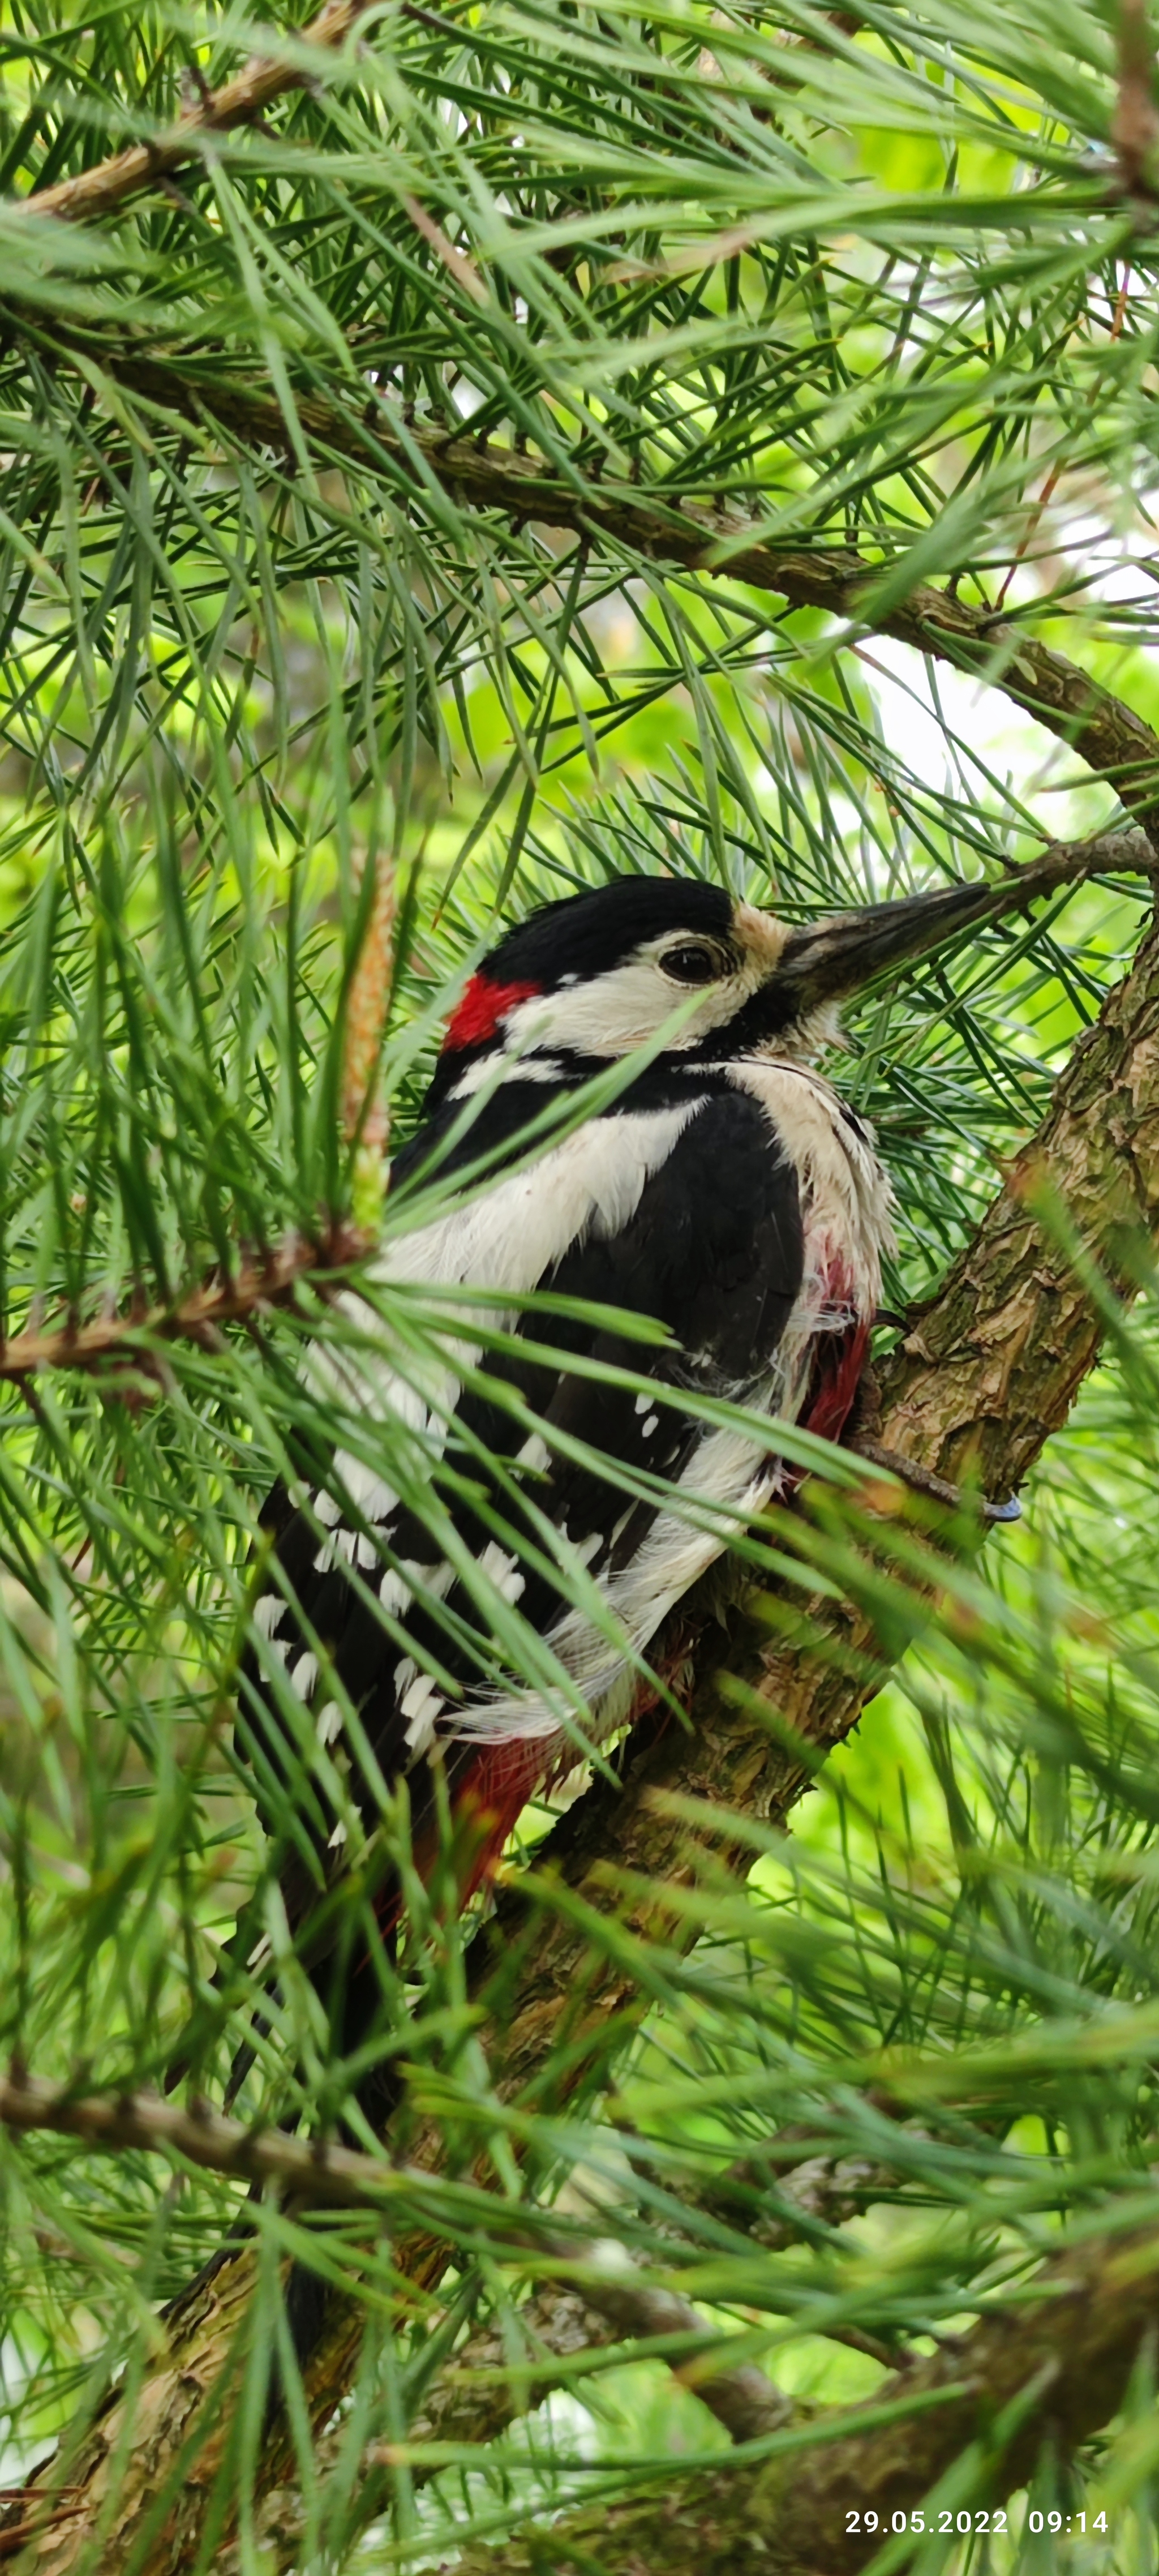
{"x":922,"y":1480}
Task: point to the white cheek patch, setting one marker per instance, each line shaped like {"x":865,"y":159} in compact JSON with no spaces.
{"x":610,"y":1014}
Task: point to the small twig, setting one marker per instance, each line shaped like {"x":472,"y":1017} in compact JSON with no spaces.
{"x":742,"y":2397}
{"x":462,"y":269}
{"x":102,"y":189}
{"x":922,"y":1480}
{"x":326,"y":2176}
{"x":127,"y":1335}
{"x":1045,"y":496}
{"x":1120,"y":313}
{"x":365,"y":1115}
{"x":16,"y":2536}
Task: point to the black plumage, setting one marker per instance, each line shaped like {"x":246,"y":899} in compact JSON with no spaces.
{"x":691,"y":1201}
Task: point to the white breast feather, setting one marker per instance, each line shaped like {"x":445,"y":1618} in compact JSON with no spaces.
{"x":845,"y":1205}
{"x":508,"y":1238}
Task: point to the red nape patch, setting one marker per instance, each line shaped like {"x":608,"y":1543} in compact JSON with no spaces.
{"x":482,"y":1007}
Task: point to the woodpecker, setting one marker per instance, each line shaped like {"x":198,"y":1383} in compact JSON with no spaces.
{"x":724,"y":1193}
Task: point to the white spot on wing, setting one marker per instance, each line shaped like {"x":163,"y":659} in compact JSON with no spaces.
{"x":304,"y":1675}
{"x":269,"y":1612}
{"x":337,"y":1838}
{"x":400,"y":1583}
{"x":368,"y":1491}
{"x":329,"y":1722}
{"x":341,"y":1544}
{"x":652,"y":1424}
{"x":420,"y":1705}
{"x":503,"y":1571}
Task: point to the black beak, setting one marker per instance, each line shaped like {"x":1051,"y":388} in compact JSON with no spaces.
{"x":828,"y":959}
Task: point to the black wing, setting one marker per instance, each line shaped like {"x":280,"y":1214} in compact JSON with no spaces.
{"x":714,"y":1252}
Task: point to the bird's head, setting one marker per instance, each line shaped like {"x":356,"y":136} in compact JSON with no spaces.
{"x":602,"y":974}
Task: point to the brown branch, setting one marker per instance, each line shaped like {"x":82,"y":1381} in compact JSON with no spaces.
{"x":126,"y":1337}
{"x":104,"y":188}
{"x":479,"y":2393}
{"x":717,"y":542}
{"x":325,"y":2176}
{"x":473,"y":2400}
{"x":822,"y":2188}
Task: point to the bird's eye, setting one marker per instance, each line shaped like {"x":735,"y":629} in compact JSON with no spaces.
{"x":693,"y":963}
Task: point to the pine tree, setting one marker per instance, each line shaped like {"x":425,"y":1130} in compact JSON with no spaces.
{"x":450,"y":455}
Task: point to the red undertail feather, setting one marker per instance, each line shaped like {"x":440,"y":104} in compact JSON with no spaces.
{"x":838,"y":1361}
{"x":492,"y":1799}
{"x":482,"y":1007}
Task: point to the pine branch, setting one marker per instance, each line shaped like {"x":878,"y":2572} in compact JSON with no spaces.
{"x":318,"y":2174}
{"x":327,"y":2176}
{"x":106,"y":187}
{"x":989,"y":645}
{"x":126,"y":1338}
